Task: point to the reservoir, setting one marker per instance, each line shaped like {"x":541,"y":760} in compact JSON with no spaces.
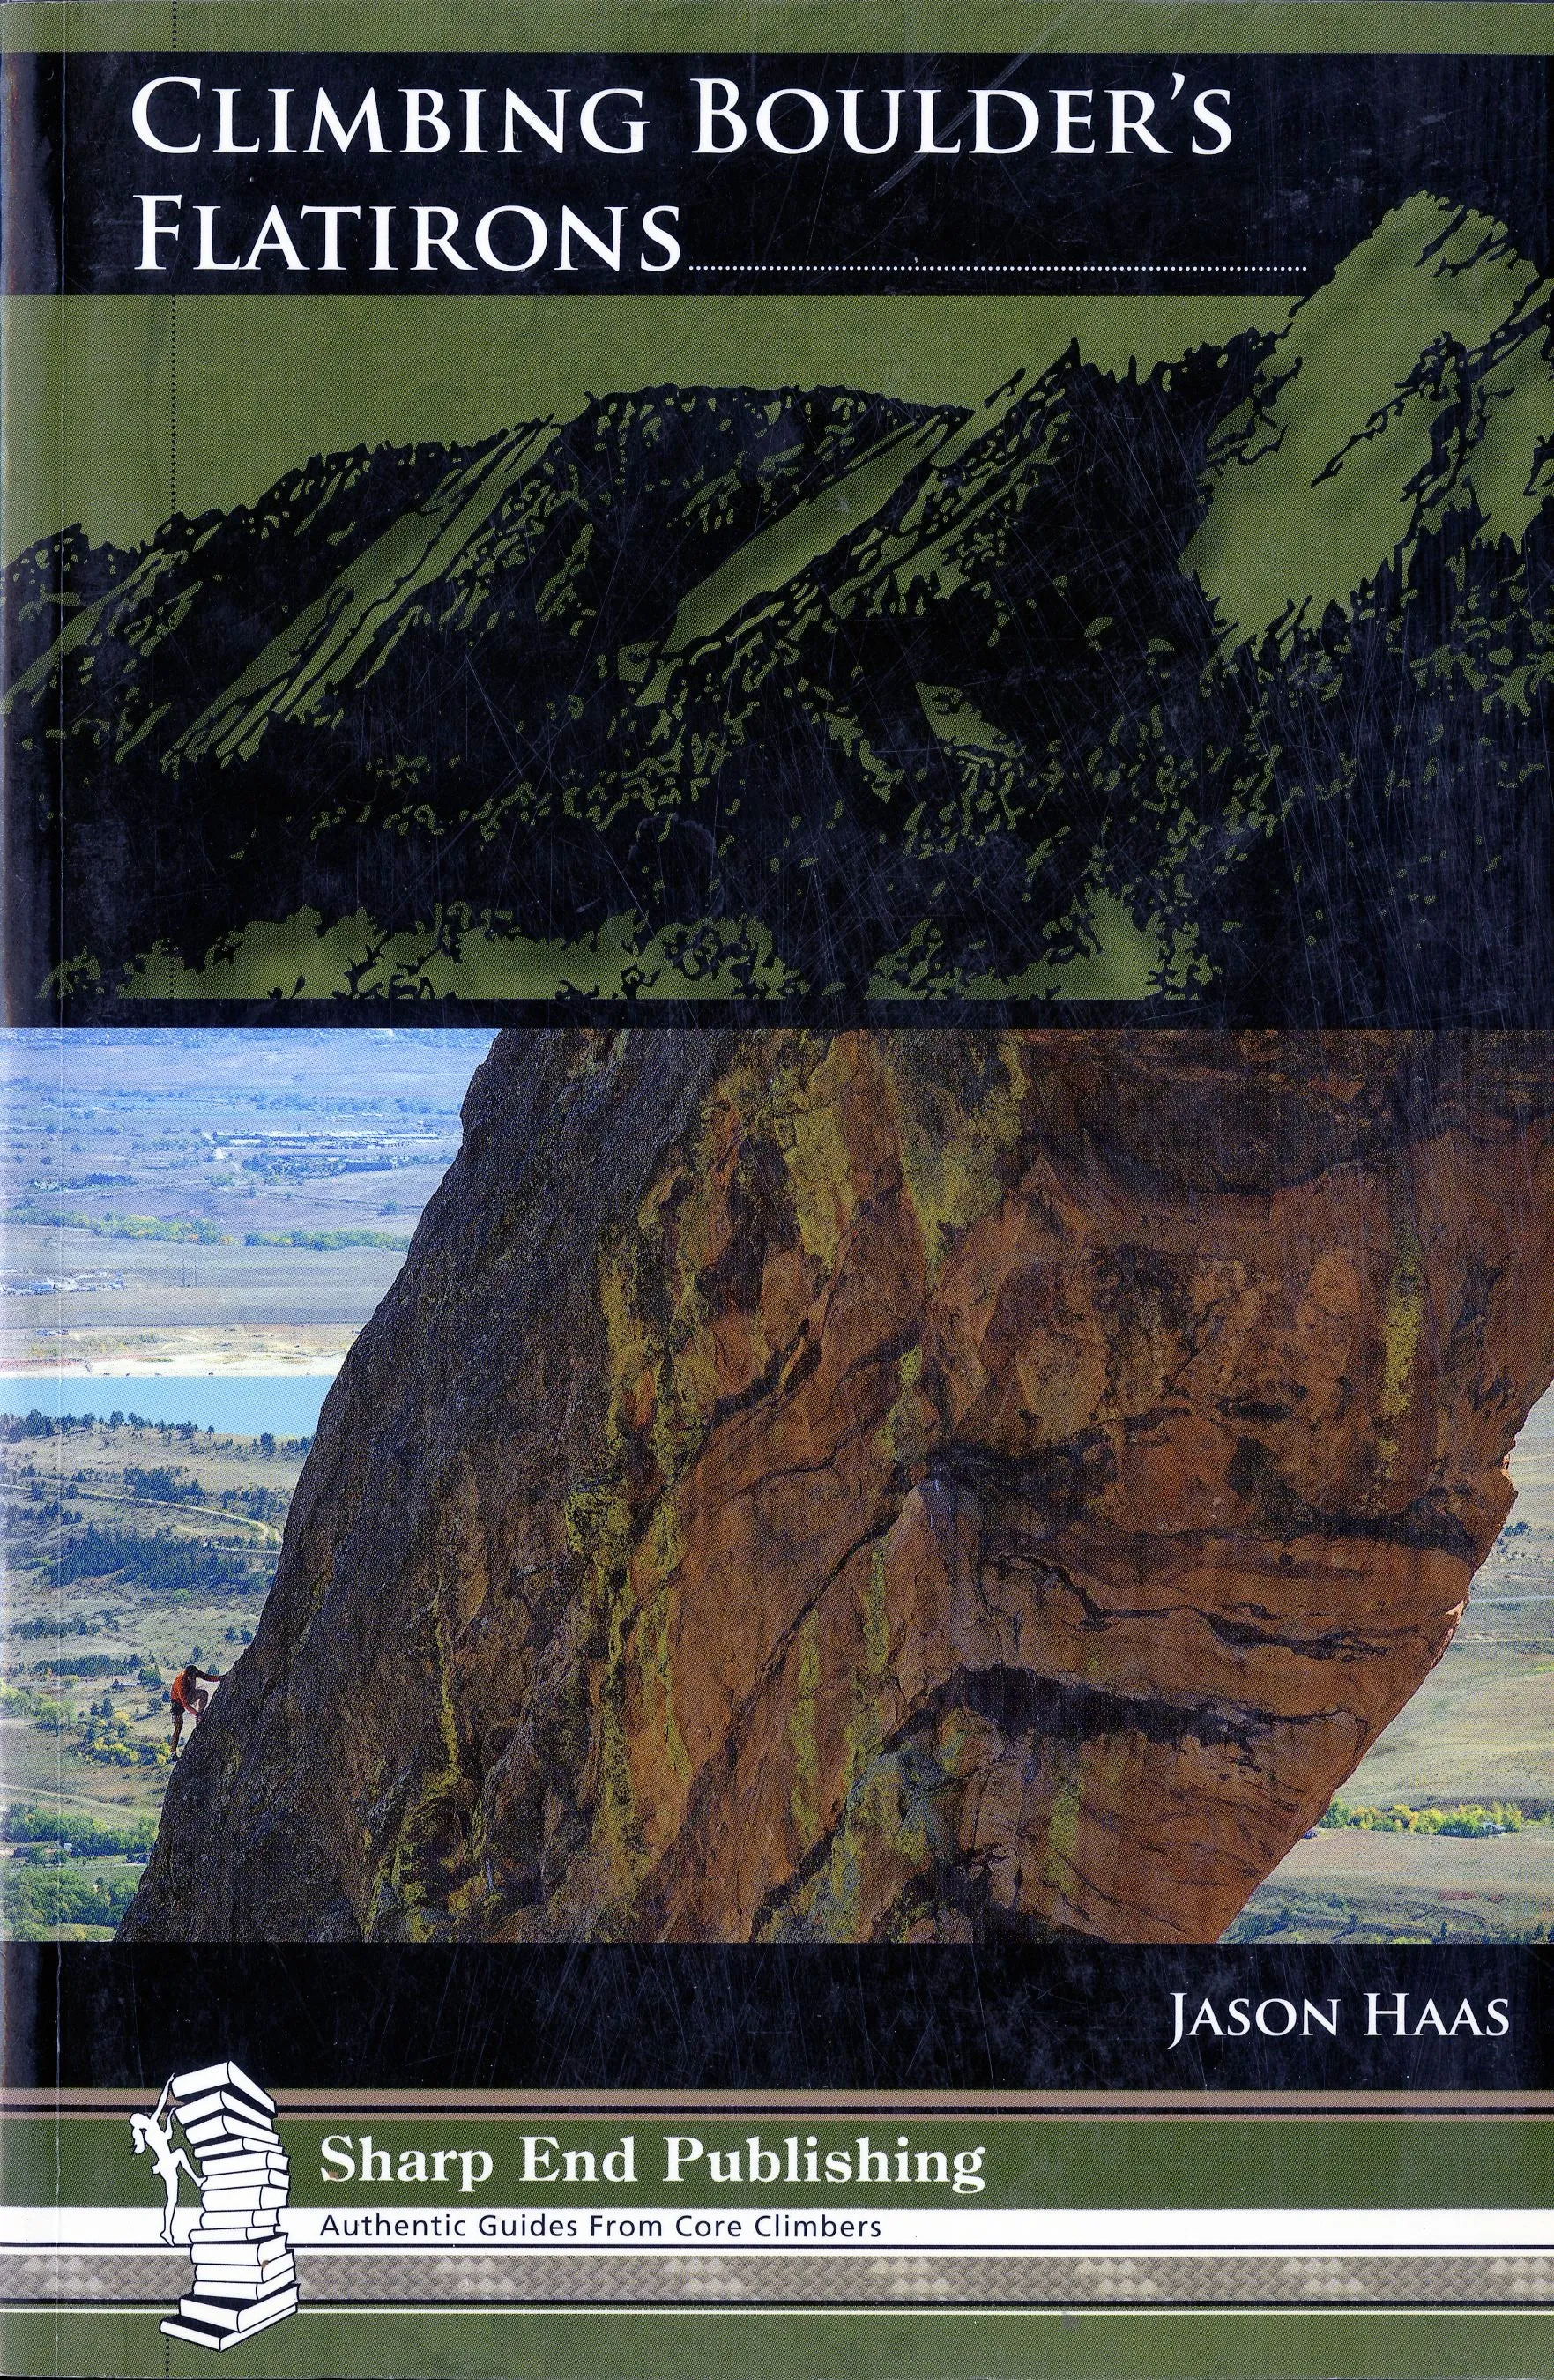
{"x":237,"y":1405}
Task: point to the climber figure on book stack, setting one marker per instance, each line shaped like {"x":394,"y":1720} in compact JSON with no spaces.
{"x":245,"y":2275}
{"x":155,"y":2132}
{"x":188,"y":1696}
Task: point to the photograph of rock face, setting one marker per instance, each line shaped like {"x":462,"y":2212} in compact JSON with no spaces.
{"x":884,"y":1487}
{"x":1218,"y":683}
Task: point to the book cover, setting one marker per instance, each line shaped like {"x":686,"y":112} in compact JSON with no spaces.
{"x":778,"y":1232}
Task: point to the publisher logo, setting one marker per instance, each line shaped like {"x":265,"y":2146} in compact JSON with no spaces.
{"x":245,"y":2276}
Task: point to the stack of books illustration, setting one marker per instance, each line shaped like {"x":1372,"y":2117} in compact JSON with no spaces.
{"x":244,"y":2278}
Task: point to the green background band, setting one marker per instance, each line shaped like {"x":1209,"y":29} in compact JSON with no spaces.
{"x":407,"y":2342}
{"x":1497,"y":27}
{"x":1031,"y":2162}
{"x":264,"y":382}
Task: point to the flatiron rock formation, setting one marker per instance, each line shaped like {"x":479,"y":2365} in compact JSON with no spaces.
{"x":1226,"y":683}
{"x":882,"y":1486}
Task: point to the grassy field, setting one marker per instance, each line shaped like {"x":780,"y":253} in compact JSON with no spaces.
{"x":142,"y":1174}
{"x":180,"y":1308}
{"x":180,"y":1203}
{"x":1343,"y":1885}
{"x":129,"y":1551}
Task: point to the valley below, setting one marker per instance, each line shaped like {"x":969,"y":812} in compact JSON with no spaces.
{"x":242,"y":1219}
{"x":129,"y":1549}
{"x":1480,"y":1731}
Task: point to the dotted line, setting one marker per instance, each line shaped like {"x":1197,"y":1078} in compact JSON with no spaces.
{"x":1001,"y":268}
{"x":172,"y":405}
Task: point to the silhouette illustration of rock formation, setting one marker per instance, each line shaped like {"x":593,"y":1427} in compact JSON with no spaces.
{"x":884,"y":1485}
{"x":1224,"y":688}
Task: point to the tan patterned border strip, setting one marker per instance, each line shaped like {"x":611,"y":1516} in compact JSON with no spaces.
{"x":108,"y":2277}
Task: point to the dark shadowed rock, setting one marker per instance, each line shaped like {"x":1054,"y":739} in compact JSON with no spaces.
{"x":884,"y":1485}
{"x":1226,"y":685}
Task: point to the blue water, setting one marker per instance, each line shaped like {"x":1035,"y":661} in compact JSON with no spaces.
{"x":244,"y":1408}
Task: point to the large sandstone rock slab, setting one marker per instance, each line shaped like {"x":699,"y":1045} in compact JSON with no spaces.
{"x":884,"y":1485}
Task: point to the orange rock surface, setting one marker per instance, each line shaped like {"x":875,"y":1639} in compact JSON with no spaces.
{"x":885,"y":1485}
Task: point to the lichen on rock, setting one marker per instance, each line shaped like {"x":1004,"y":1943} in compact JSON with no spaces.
{"x":884,"y":1485}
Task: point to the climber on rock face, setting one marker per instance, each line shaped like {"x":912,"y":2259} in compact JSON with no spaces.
{"x":187,"y":1695}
